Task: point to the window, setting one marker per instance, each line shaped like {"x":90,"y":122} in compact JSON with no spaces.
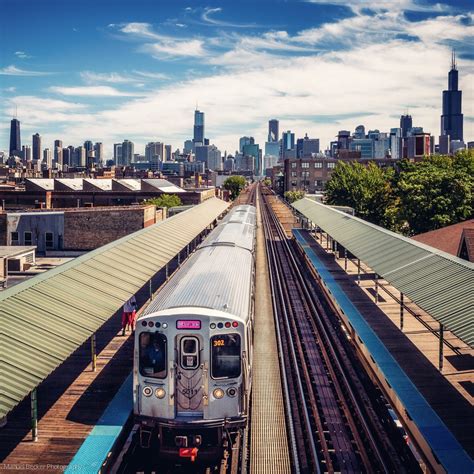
{"x":293,"y":165}
{"x":318,"y":164}
{"x":189,"y":353}
{"x":293,"y":183}
{"x":305,"y":164}
{"x":153,"y":355}
{"x":331,"y":165}
{"x":49,"y":240}
{"x":293,"y":174}
{"x":225,"y":356}
{"x":28,"y":238}
{"x":305,"y":175}
{"x":14,"y":238}
{"x":318,"y":183}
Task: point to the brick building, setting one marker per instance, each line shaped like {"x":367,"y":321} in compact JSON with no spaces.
{"x":74,"y":229}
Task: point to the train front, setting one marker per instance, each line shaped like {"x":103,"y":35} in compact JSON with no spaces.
{"x":190,"y":382}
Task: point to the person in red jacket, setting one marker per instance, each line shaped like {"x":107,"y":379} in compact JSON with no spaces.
{"x":128,"y":315}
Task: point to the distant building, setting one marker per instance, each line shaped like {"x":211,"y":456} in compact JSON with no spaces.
{"x":452,"y":117}
{"x":127,"y":152}
{"x":79,"y":157}
{"x":99,"y":152}
{"x":359,"y":132}
{"x":254,"y":150}
{"x":47,"y":158}
{"x":168,"y":153}
{"x":188,"y":146}
{"x":309,"y":175}
{"x":36,"y":147}
{"x":273,"y":133}
{"x":272,"y":149}
{"x":15,"y":140}
{"x":154,"y":154}
{"x":364,"y":145}
{"x":245,"y":141}
{"x":198,"y":127}
{"x":307,"y":147}
{"x":118,"y":154}
{"x":67,"y":157}
{"x":406,"y":123}
{"x":210,"y":155}
{"x":229,"y":164}
{"x":396,"y":143}
{"x":288,"y":148}
{"x":444,"y":145}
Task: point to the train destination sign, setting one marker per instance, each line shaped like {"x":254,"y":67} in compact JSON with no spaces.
{"x":188,"y":324}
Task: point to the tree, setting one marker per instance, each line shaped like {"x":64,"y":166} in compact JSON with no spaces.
{"x":165,"y":200}
{"x":235,"y":184}
{"x":292,"y":196}
{"x":367,"y":189}
{"x":437,"y":192}
{"x":267,"y":182}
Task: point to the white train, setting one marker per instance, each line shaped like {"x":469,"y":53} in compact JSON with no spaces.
{"x":193,"y":347}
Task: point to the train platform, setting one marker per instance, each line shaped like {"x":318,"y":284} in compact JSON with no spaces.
{"x":70,"y":403}
{"x":269,"y":452}
{"x":435,"y":411}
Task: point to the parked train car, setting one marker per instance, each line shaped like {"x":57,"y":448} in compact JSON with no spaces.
{"x":193,"y":347}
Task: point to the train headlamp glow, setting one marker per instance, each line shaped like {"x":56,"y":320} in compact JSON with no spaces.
{"x":160,"y":393}
{"x":147,"y":391}
{"x":218,"y":393}
{"x":164,"y":325}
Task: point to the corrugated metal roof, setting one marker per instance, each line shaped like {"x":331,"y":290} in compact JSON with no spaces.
{"x":439,"y":283}
{"x":44,"y":319}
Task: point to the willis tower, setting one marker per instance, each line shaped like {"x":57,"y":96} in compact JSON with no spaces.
{"x":452,"y":118}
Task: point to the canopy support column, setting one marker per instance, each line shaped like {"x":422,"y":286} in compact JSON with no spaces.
{"x":401,"y":311}
{"x":93,"y":354}
{"x":376,"y":297}
{"x":358,"y":271}
{"x":345,"y":259}
{"x":441,"y":340}
{"x":34,"y":415}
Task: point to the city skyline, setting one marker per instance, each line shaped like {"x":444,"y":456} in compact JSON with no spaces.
{"x":317,"y":67}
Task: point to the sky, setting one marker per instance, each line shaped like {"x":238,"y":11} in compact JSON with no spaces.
{"x":109,"y":70}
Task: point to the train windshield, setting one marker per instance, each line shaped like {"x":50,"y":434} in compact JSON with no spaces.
{"x":225,"y":356}
{"x":153,"y":355}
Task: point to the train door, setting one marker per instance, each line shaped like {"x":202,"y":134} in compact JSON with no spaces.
{"x":189,"y":376}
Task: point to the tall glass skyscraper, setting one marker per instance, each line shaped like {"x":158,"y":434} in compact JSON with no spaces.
{"x":273,"y":134}
{"x":198,"y":127}
{"x":406,"y":124}
{"x":37,"y":147}
{"x":452,"y":118}
{"x":15,"y":141}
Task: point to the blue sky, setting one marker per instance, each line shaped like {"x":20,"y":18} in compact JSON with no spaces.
{"x":107,"y":70}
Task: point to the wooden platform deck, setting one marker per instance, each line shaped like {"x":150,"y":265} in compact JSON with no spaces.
{"x":416,"y":349}
{"x":70,"y":401}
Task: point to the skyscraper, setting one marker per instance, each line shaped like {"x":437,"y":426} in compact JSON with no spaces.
{"x":99,"y":152}
{"x":452,"y":118}
{"x":15,"y":141}
{"x":58,"y":153}
{"x":406,"y":124}
{"x":37,"y":147}
{"x":273,"y":134}
{"x":198,"y":127}
{"x":127,"y":152}
{"x":245,"y":141}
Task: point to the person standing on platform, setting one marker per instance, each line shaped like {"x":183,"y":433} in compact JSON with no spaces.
{"x":128,"y":315}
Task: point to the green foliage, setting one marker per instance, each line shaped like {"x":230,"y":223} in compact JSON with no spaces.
{"x":165,"y":200}
{"x":414,"y":198}
{"x":292,"y":196}
{"x":365,"y":188}
{"x":437,"y":192}
{"x":267,"y":182}
{"x":235,"y":184}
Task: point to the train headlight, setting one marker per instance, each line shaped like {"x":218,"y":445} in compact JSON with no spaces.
{"x":160,"y":393}
{"x":218,"y":393}
{"x":147,"y":391}
{"x":232,"y":392}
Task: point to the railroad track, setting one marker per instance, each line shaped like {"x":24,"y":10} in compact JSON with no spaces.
{"x":333,"y":412}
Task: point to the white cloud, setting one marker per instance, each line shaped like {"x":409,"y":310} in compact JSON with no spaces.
{"x":163,"y":46}
{"x":133,"y":77}
{"x":170,"y":49}
{"x":22,"y":55}
{"x":387,"y":5}
{"x":15,"y":71}
{"x":91,"y":91}
{"x":208,"y":17}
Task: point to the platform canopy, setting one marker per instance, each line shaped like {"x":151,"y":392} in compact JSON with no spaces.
{"x":45,"y":319}
{"x":439,"y":283}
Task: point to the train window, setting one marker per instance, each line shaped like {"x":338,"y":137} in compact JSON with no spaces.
{"x":153,"y":355}
{"x":225,"y":356}
{"x":189,"y":353}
